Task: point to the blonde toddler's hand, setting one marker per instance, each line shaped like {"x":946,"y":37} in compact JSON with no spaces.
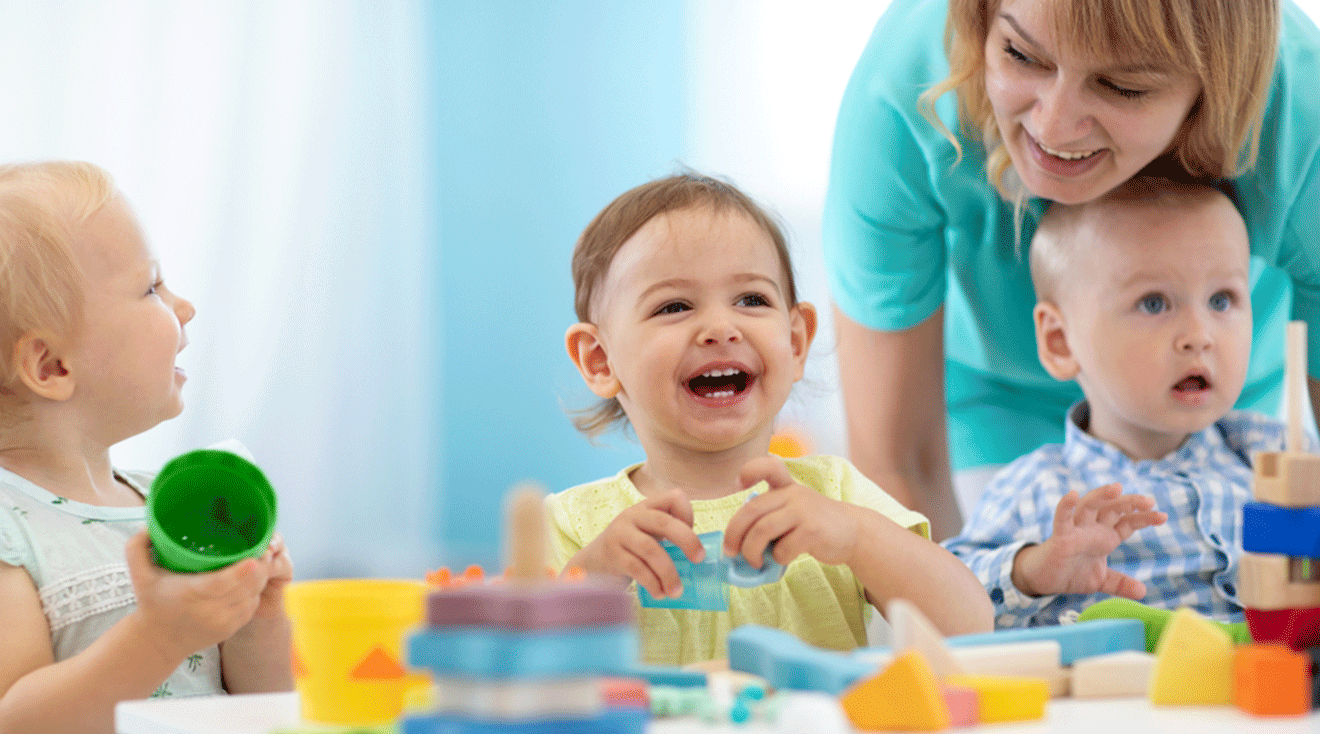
{"x":796,"y":518}
{"x":193,"y":611}
{"x":630,"y":545}
{"x":279,"y":574}
{"x":1087,"y":528}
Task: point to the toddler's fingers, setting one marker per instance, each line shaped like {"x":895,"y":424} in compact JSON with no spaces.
{"x":1088,"y":508}
{"x":1065,"y":512}
{"x":675,"y":503}
{"x":1121,"y":584}
{"x":771,"y":526}
{"x":747,"y":517}
{"x":661,"y":525}
{"x":644,"y":561}
{"x":768,"y":469}
{"x":1129,"y":524}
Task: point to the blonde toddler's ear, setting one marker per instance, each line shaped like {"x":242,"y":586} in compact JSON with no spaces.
{"x":803,"y":323}
{"x":588,"y":354}
{"x":1052,"y":342}
{"x":40,"y":364}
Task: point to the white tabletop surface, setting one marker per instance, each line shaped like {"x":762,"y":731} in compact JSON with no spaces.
{"x":259,"y":714}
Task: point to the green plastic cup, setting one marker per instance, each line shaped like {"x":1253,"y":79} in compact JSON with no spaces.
{"x":208,"y":509}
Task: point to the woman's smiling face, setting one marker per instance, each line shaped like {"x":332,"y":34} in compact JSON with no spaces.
{"x":1076,"y":128}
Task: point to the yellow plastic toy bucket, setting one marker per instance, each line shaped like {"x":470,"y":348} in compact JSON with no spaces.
{"x":348,"y":641}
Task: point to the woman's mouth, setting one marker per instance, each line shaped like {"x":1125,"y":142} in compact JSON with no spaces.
{"x":1064,"y":163}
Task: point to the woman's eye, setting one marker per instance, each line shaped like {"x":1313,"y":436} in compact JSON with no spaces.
{"x":675,"y":307}
{"x":1153,"y":304}
{"x":1017,"y":55}
{"x":753,"y":299}
{"x":1221,"y":301}
{"x":1122,"y":91}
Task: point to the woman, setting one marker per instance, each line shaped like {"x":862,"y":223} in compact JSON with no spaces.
{"x":933,"y":196}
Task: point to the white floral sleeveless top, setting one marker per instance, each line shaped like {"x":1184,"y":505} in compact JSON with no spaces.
{"x":74,"y":553}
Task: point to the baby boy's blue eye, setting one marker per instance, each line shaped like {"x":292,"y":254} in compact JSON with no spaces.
{"x":1221,"y":301}
{"x":753,"y":299}
{"x":1153,"y":303}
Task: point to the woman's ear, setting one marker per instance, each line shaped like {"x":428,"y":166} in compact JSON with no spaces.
{"x":1052,"y":342}
{"x":803,"y":323}
{"x":39,"y":361}
{"x":588,"y":353}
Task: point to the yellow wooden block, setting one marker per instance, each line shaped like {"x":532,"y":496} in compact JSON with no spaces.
{"x":1193,"y":662}
{"x":1006,"y":698}
{"x":903,"y":697}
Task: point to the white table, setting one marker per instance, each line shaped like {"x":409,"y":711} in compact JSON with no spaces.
{"x":259,"y":714}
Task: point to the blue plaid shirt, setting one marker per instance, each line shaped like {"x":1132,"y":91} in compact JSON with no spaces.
{"x":1191,"y":560}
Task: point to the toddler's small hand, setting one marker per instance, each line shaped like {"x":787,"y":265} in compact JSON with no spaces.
{"x":630,"y":546}
{"x":193,"y":611}
{"x":796,"y":518}
{"x":279,"y":574}
{"x":1087,"y":528}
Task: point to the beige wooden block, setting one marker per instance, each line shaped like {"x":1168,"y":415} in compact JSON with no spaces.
{"x":1115,"y":675}
{"x":1265,"y":583}
{"x":1034,"y":659}
{"x":912,"y":631}
{"x":1287,"y":478}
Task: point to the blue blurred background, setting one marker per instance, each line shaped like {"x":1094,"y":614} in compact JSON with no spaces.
{"x":373,"y":204}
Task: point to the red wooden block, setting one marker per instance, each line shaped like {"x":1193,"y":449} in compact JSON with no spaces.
{"x":1297,"y":628}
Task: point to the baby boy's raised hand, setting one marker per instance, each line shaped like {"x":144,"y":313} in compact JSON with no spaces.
{"x":193,"y":611}
{"x":1087,"y":528}
{"x":630,"y":545}
{"x":799,"y":519}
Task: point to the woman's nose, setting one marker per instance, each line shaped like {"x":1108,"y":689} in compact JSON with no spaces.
{"x":1061,"y":114}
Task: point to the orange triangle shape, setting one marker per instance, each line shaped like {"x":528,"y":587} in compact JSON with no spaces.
{"x":299,"y":670}
{"x":377,"y":665}
{"x":905,"y":696}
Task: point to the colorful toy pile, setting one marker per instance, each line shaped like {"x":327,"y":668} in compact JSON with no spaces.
{"x":525,"y":655}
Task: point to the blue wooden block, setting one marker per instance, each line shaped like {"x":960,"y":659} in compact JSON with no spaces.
{"x":1076,"y":641}
{"x":497,"y":653}
{"x":620,"y":720}
{"x":1285,"y":531}
{"x":787,"y":662}
{"x":664,"y":675}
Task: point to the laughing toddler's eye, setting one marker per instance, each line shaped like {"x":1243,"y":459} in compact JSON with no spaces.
{"x":752,"y":299}
{"x":1153,"y":304}
{"x":673,"y":307}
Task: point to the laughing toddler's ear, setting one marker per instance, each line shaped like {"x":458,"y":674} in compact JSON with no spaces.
{"x":587,"y":351}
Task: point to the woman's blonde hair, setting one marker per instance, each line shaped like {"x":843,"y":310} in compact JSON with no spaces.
{"x":41,"y":206}
{"x":621,"y":219}
{"x":1228,"y":45}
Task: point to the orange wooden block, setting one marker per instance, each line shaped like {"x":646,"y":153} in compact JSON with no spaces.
{"x":1271,"y":680}
{"x":903,"y":697}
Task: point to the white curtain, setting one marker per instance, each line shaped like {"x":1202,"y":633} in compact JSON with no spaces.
{"x":277,"y":156}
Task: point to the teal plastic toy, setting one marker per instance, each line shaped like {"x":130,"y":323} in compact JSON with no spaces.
{"x":705,"y":584}
{"x":208,"y":509}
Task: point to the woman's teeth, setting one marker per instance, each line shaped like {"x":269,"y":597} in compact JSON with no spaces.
{"x":1065,"y":154}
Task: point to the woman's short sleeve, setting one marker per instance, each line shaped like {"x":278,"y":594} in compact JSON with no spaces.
{"x":883,"y":226}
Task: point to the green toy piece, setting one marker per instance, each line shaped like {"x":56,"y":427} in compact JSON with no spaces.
{"x":1154,"y":619}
